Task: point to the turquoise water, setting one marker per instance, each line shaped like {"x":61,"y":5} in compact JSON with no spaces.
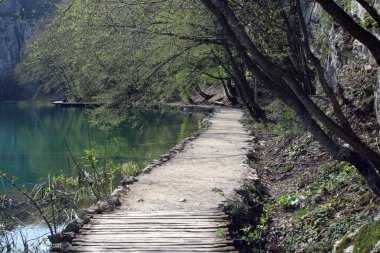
{"x":32,"y":138}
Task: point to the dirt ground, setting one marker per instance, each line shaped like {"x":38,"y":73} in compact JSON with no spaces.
{"x":200,"y":177}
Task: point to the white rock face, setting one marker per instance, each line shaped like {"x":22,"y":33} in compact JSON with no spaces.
{"x":14,"y":30}
{"x":342,"y":49}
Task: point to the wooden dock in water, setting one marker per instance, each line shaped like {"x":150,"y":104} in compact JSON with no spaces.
{"x":156,"y":231}
{"x":75,"y":104}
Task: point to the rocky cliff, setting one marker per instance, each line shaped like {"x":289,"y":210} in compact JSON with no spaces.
{"x":17,"y":18}
{"x":346,"y":60}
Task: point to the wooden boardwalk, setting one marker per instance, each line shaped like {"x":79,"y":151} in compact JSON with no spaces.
{"x":174,"y":207}
{"x":156,"y":231}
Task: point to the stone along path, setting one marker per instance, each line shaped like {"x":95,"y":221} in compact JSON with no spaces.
{"x":174,"y":208}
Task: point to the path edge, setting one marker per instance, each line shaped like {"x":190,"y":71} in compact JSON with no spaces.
{"x":62,"y":242}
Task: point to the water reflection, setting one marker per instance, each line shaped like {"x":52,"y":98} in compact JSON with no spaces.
{"x":32,"y":138}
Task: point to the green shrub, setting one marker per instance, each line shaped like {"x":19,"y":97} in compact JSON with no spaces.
{"x":289,"y":202}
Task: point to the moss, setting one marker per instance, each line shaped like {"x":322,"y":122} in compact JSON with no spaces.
{"x":288,"y":167}
{"x":369,"y":22}
{"x":346,"y":4}
{"x":367,"y":238}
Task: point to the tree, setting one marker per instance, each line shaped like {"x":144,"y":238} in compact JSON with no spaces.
{"x":353,"y":28}
{"x":127,"y":52}
{"x":119,"y":50}
{"x":290,"y":90}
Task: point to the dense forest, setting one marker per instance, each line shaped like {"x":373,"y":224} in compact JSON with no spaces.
{"x":301,"y":53}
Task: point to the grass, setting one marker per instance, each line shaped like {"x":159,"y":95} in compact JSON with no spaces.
{"x":60,"y":198}
{"x":367,"y":238}
{"x":319,"y":201}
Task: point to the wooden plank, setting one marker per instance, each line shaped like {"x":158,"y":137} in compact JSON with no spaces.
{"x":151,"y":221}
{"x":158,"y":244}
{"x":98,"y":249}
{"x":134,"y":246}
{"x":121,"y":249}
{"x":192,"y":241}
{"x":173,"y":231}
{"x":163,"y":217}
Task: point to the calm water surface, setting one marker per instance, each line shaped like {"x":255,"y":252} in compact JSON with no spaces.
{"x":32,"y":138}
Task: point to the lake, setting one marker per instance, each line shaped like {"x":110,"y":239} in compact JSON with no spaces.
{"x":33,"y":135}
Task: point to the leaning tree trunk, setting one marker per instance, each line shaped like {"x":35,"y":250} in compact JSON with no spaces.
{"x":227,"y":90}
{"x":294,"y":98}
{"x":353,"y":28}
{"x":245,"y":90}
{"x":204,"y":95}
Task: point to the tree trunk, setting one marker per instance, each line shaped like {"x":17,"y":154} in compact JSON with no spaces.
{"x":236,"y":33}
{"x":321,"y":72}
{"x":354,"y":29}
{"x":232,"y":98}
{"x":204,"y":95}
{"x":245,"y":90}
{"x":299,"y":102}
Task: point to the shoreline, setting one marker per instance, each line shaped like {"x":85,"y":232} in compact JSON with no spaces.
{"x":62,"y":241}
{"x":106,"y":206}
{"x":184,"y":184}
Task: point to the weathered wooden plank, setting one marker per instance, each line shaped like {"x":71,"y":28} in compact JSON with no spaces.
{"x":97,"y":250}
{"x":177,"y":231}
{"x":216,"y":217}
{"x":121,"y":249}
{"x":148,"y":246}
{"x":150,"y":236}
{"x":189,"y":241}
{"x":115,"y":221}
{"x":190,"y":217}
{"x":161,"y":244}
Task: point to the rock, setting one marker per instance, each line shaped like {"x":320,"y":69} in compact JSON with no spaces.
{"x":349,"y":249}
{"x":103,"y":206}
{"x":221,"y":205}
{"x":129,"y":180}
{"x":376,"y":249}
{"x":93,"y":210}
{"x":165,"y":158}
{"x":377,"y":217}
{"x":240,"y":190}
{"x":317,"y":199}
{"x":61,"y":237}
{"x":252,"y":156}
{"x":146,"y":170}
{"x":72,"y":227}
{"x":108,"y":204}
{"x":16,"y":27}
{"x":182,"y":200}
{"x":112,"y":200}
{"x":368,"y":67}
{"x":86,"y":218}
{"x":61,"y":247}
{"x":120,"y":190}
